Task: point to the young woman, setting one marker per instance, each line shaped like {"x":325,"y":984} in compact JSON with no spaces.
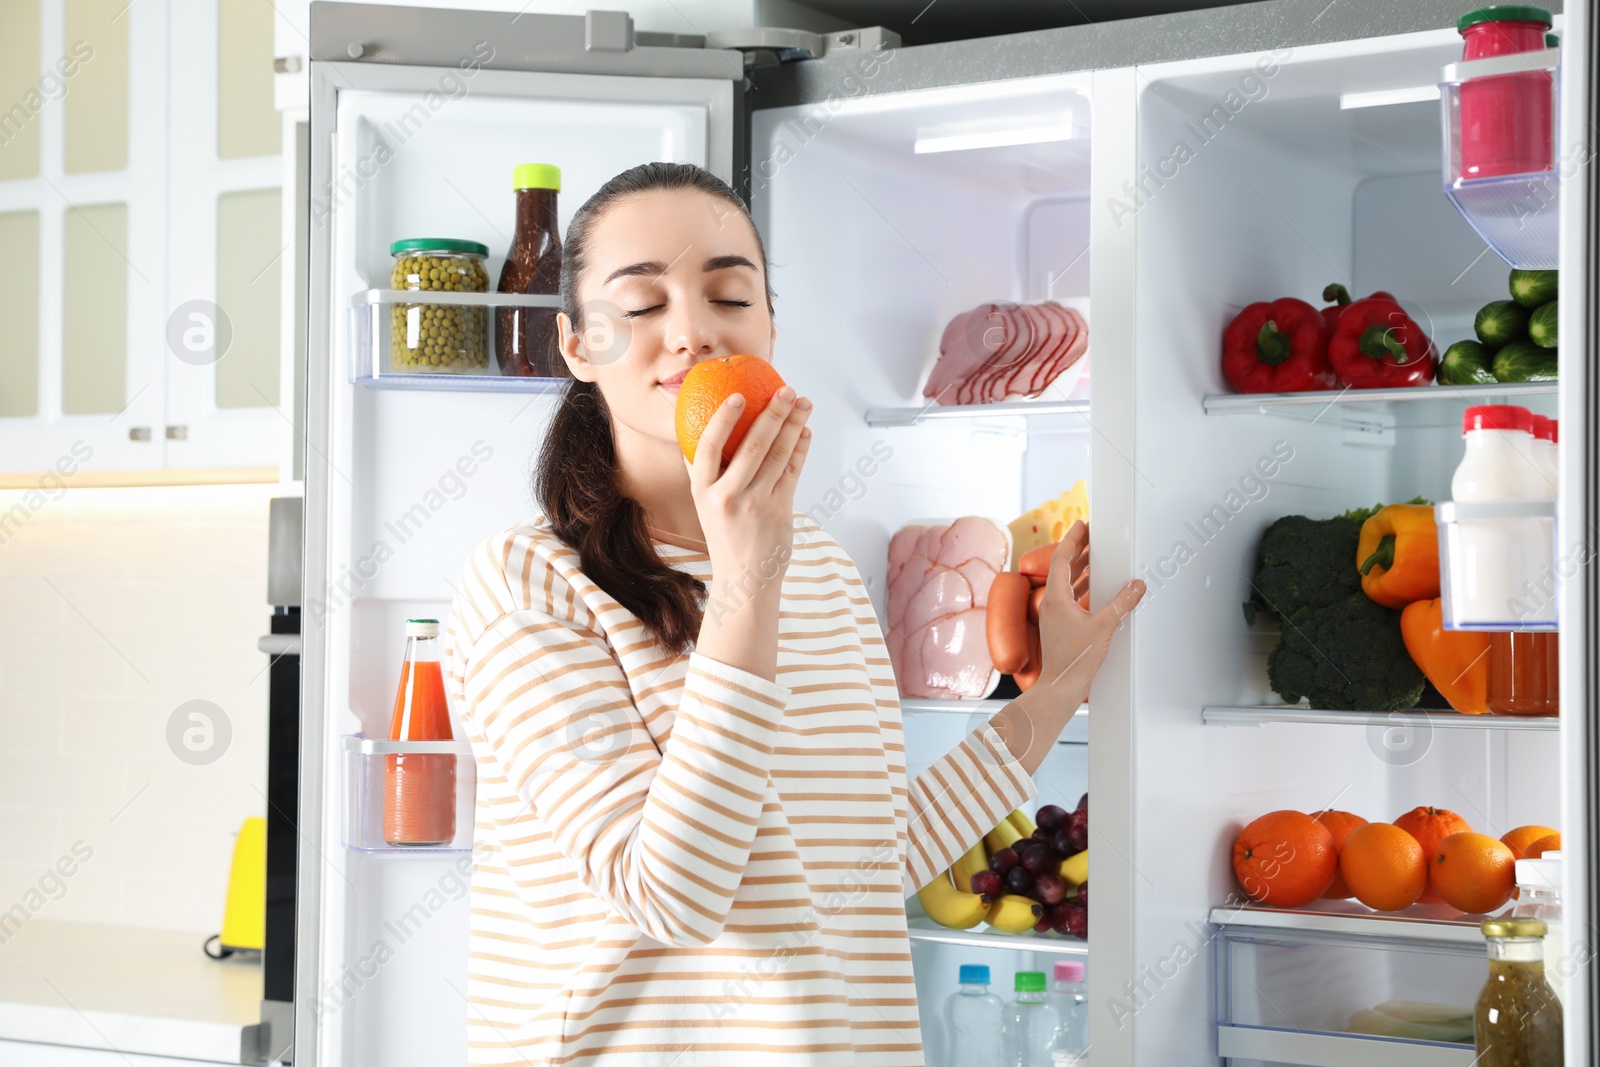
{"x":695,"y":834}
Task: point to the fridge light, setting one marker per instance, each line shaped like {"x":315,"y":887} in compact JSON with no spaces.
{"x":991,"y":138}
{"x":1383,"y":97}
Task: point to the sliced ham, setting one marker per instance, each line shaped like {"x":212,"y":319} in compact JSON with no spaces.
{"x":1004,"y":351}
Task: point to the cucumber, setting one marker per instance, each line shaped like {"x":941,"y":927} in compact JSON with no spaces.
{"x":1542,"y":325}
{"x":1467,"y":363}
{"x":1524,"y":361}
{"x":1500,"y":322}
{"x":1530,"y":288}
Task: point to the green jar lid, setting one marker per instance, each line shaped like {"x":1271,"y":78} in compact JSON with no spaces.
{"x":1030,"y":982}
{"x":1552,"y":41}
{"x":437,"y":244}
{"x":536,"y":176}
{"x":1504,"y":13}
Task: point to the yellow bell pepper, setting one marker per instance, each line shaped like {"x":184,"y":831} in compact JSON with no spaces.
{"x":1398,"y":555}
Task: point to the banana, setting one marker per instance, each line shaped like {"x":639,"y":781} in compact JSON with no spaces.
{"x":1024,"y":825}
{"x":1003,"y":836}
{"x":949,"y":906}
{"x":1014,"y":913}
{"x":975,"y":860}
{"x":1075,"y":869}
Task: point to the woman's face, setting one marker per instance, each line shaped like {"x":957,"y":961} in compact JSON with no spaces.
{"x":674,"y":277}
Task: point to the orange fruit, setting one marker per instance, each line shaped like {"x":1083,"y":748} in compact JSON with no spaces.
{"x":709,"y":383}
{"x":1473,"y":873}
{"x":1431,"y":826}
{"x":1543,"y":845}
{"x":1384,"y":866}
{"x":1285,"y":859}
{"x":1339,"y":824}
{"x":1519,"y":839}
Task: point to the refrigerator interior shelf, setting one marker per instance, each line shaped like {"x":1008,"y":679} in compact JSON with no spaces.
{"x":1435,"y":923}
{"x":926,"y":930}
{"x":1336,"y":1050}
{"x":913,"y":416}
{"x":1425,"y":718}
{"x":1353,"y":407}
{"x":1076,"y":732}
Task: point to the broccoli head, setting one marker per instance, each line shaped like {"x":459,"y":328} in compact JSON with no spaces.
{"x":1304,"y":563}
{"x":1347,"y":656}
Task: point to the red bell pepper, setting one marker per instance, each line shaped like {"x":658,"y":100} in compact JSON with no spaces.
{"x":1277,"y":347}
{"x":1341,"y":300}
{"x":1376,"y":345}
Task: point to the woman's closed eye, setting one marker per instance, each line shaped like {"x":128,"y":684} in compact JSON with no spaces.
{"x":657,"y":307}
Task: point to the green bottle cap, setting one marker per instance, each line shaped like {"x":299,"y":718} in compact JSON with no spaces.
{"x":1504,"y":13}
{"x":1030,"y":982}
{"x":536,"y":176}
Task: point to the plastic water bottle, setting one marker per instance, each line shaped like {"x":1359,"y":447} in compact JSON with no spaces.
{"x":1030,"y":1023}
{"x":973,"y":1014}
{"x":1070,"y":1000}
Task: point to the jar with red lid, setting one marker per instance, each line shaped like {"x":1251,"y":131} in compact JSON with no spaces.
{"x":1505,"y":119}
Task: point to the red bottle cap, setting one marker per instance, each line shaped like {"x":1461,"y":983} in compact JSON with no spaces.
{"x":1555,"y":431}
{"x":1496,"y":417}
{"x":1540,"y":427}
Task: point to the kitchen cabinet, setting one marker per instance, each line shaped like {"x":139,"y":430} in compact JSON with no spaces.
{"x":128,"y":229}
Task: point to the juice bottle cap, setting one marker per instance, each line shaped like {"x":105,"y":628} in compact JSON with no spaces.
{"x":422,"y":627}
{"x":1555,"y":431}
{"x":536,"y":176}
{"x":1540,"y":428}
{"x":1495,"y":417}
{"x":974,"y":974}
{"x":1030,"y":982}
{"x":1069,"y":971}
{"x":1504,"y":13}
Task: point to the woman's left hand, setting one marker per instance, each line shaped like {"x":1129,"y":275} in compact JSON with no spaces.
{"x":1075,"y":640}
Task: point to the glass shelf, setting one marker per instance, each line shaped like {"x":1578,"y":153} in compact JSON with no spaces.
{"x":926,"y":930}
{"x":370,"y":328}
{"x":1430,"y":718}
{"x":1076,"y":732}
{"x":1357,"y":408}
{"x":913,"y":416}
{"x":1421,"y":922}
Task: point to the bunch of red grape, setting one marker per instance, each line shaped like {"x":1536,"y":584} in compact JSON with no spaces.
{"x":1031,"y":867}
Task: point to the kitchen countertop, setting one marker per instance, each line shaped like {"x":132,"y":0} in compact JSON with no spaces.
{"x":128,"y":989}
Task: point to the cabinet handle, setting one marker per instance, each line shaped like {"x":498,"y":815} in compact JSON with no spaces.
{"x":177,"y":433}
{"x":139,"y":433}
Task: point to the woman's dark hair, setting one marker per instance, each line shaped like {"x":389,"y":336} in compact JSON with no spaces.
{"x":577,"y":482}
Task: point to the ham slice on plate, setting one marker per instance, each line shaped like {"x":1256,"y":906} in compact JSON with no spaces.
{"x":939,"y":578}
{"x":1003,"y":351}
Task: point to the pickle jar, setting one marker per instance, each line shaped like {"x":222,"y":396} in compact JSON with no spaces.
{"x":437,"y":338}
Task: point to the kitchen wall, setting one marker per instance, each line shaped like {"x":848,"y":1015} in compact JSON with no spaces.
{"x":117,"y":606}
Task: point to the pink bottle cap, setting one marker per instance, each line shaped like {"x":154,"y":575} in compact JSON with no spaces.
{"x":1069,"y":971}
{"x":1496,"y":417}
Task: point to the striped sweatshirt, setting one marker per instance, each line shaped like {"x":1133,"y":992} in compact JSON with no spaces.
{"x":680,"y":863}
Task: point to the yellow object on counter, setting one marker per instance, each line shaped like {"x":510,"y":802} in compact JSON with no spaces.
{"x":244,"y":920}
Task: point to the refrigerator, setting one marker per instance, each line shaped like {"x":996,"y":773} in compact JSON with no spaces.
{"x":896,"y":187}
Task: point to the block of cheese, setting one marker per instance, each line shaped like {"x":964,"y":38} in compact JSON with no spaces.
{"x":1047,"y":523}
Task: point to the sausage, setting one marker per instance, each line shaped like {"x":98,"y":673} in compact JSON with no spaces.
{"x":1029,"y":675}
{"x":1035,"y":598}
{"x":1006,"y":621}
{"x":1036,"y":561}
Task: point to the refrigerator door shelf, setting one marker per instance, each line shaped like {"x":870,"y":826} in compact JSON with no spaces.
{"x":376,"y":315}
{"x":1504,"y":98}
{"x":369,"y":777}
{"x":1499,"y":566}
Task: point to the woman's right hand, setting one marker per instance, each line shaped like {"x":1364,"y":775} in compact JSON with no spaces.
{"x":747,"y":509}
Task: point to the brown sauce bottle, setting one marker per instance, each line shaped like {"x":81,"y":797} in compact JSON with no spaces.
{"x":525,"y":338}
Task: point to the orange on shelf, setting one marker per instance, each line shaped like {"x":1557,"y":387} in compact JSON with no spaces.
{"x":1384,"y":866}
{"x":1473,"y":873}
{"x":1339,"y":824}
{"x":712,"y":381}
{"x":1543,"y":845}
{"x":1519,"y":839}
{"x":1285,"y":859}
{"x":1431,"y":826}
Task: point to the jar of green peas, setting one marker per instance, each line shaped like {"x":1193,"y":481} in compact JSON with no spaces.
{"x":434,"y":338}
